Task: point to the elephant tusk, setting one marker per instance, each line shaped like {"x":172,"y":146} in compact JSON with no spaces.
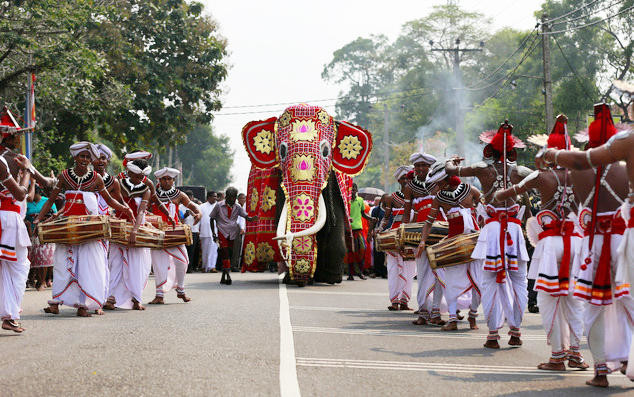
{"x":319,"y":224}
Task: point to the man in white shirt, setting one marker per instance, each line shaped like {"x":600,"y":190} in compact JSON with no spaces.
{"x":208,"y":246}
{"x":236,"y":258}
{"x":188,"y":219}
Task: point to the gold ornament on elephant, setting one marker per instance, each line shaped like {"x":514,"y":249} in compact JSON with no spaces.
{"x":265,"y":252}
{"x":304,"y":130}
{"x":303,"y":245}
{"x":249,"y":253}
{"x":350,"y":147}
{"x":263,"y":141}
{"x":302,"y":266}
{"x":285,"y":119}
{"x":255,"y":197}
{"x":268,"y":199}
{"x":303,"y":208}
{"x":324,"y":117}
{"x":303,"y":168}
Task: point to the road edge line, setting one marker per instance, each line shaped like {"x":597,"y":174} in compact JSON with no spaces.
{"x":289,"y":386}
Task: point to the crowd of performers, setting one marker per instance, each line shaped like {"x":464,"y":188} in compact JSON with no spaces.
{"x":98,"y":275}
{"x":583,"y":235}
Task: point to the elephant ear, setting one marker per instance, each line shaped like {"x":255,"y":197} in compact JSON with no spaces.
{"x":352,"y":148}
{"x":259,"y":141}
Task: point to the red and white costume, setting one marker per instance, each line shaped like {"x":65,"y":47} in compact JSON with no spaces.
{"x":14,"y":264}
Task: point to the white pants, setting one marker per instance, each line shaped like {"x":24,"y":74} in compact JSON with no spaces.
{"x":129,"y":271}
{"x":505,"y":300}
{"x":562,"y":318}
{"x":13,"y":277}
{"x":399,"y":278}
{"x":460,"y":280}
{"x":170,"y":266}
{"x":426,"y":283}
{"x":209,"y":250}
{"x":79,"y":275}
{"x":609,"y":330}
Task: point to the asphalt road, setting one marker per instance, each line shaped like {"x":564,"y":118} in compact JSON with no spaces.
{"x":328,"y":341}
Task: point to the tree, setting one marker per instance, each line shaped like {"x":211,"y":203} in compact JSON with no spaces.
{"x":207,"y":158}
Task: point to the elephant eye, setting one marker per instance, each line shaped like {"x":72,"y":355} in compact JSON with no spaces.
{"x":283,"y":151}
{"x":324,"y":148}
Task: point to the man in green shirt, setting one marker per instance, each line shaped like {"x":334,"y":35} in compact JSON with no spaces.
{"x":356,"y":250}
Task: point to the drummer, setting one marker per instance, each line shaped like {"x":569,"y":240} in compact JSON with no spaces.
{"x":130,"y":266}
{"x":504,"y":282}
{"x":100,"y":165}
{"x":170,"y":264}
{"x":420,"y":194}
{"x":458,"y":200}
{"x":399,"y":272}
{"x":79,"y":270}
{"x":14,"y":264}
{"x":555,"y":253}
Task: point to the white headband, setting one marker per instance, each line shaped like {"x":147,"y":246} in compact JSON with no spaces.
{"x":103,"y":149}
{"x":173,"y":172}
{"x":137,"y":170}
{"x":428,"y":159}
{"x":401,"y":171}
{"x":437,"y":173}
{"x":79,"y":147}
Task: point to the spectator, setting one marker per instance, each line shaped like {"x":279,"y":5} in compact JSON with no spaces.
{"x":356,"y":250}
{"x":237,"y":243}
{"x":378,"y":212}
{"x":209,"y":248}
{"x":40,"y":255}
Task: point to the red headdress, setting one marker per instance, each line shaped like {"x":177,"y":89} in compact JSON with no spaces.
{"x":558,"y":138}
{"x":495,"y":142}
{"x":8,"y":124}
{"x":593,"y":135}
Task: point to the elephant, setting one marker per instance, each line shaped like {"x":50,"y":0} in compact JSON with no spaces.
{"x":308,"y":159}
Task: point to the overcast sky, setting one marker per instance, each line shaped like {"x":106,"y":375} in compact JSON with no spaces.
{"x":278,"y":48}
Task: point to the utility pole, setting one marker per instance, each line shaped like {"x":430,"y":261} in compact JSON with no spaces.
{"x":548,"y":87}
{"x":459,"y":116}
{"x":386,"y":146}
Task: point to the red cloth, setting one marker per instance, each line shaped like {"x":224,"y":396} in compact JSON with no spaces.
{"x":224,"y":242}
{"x":565,"y":229}
{"x":503,"y":217}
{"x":74,"y":205}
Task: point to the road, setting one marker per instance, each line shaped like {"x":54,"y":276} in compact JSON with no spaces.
{"x":258,"y":337}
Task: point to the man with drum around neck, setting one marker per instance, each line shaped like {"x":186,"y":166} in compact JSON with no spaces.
{"x":419,"y":194}
{"x":458,"y":200}
{"x":14,"y":264}
{"x":501,"y":245}
{"x":100,"y":165}
{"x":555,"y":253}
{"x":399,"y":273}
{"x":79,"y":270}
{"x":175,"y":258}
{"x":603,"y":283}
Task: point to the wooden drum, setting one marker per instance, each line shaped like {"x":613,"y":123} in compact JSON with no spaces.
{"x":180,"y":235}
{"x":411,"y":233}
{"x":387,"y":241}
{"x":452,"y":251}
{"x":146,"y":236}
{"x":156,"y":221}
{"x":74,"y":229}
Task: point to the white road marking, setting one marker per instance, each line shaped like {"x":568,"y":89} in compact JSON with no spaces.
{"x":289,"y":386}
{"x":418,"y":334}
{"x":336,"y":309}
{"x":324,"y":292}
{"x":436,"y":367}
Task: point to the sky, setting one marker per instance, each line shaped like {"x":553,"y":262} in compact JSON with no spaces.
{"x":278,"y":48}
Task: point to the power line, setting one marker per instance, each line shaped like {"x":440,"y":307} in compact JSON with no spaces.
{"x":574,"y":72}
{"x":589,"y":15}
{"x":570,"y":12}
{"x":573,"y":28}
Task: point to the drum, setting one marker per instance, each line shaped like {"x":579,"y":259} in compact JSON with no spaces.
{"x":387,"y":241}
{"x":411,"y":233}
{"x":452,"y":251}
{"x":180,"y":235}
{"x":408,"y":253}
{"x":147,"y":236}
{"x":156,"y":221}
{"x":74,"y":229}
{"x":117,"y":229}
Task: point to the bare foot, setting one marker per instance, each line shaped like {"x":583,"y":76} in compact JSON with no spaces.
{"x":183,"y":297}
{"x":598,"y":381}
{"x":578,"y":365}
{"x":552,"y":366}
{"x":12,"y":325}
{"x":492,"y":344}
{"x":404,"y":307}
{"x":158,"y":300}
{"x":82,"y":312}
{"x":437,"y":321}
{"x":420,"y":321}
{"x":109,"y":305}
{"x":52,"y":309}
{"x":450,"y":326}
{"x":515,"y":341}
{"x":472,"y":323}
{"x":393,"y":307}
{"x":137,"y":306}
{"x":99,"y":312}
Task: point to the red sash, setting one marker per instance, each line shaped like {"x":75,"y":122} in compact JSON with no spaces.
{"x":74,"y":205}
{"x":503,"y":217}
{"x":565,"y":229}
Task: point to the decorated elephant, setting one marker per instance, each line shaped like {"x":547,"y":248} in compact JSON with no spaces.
{"x":308,"y":159}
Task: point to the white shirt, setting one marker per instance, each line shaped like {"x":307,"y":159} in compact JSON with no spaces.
{"x":205,"y":210}
{"x":241,"y":221}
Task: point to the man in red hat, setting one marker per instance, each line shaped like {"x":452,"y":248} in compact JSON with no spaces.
{"x":501,"y":245}
{"x":601,"y":185}
{"x":555,"y":252}
{"x":458,"y":200}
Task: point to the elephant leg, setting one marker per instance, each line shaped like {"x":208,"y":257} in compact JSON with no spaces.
{"x":331,"y":245}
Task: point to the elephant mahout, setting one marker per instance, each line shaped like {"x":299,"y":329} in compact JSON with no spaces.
{"x":301,"y":176}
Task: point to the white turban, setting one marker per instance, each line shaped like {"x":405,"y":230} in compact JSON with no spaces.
{"x":105,"y":150}
{"x":437,"y":173}
{"x":138,"y":155}
{"x":137,"y":170}
{"x":79,"y":147}
{"x":402,"y":171}
{"x":425,"y":158}
{"x":167,"y":171}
